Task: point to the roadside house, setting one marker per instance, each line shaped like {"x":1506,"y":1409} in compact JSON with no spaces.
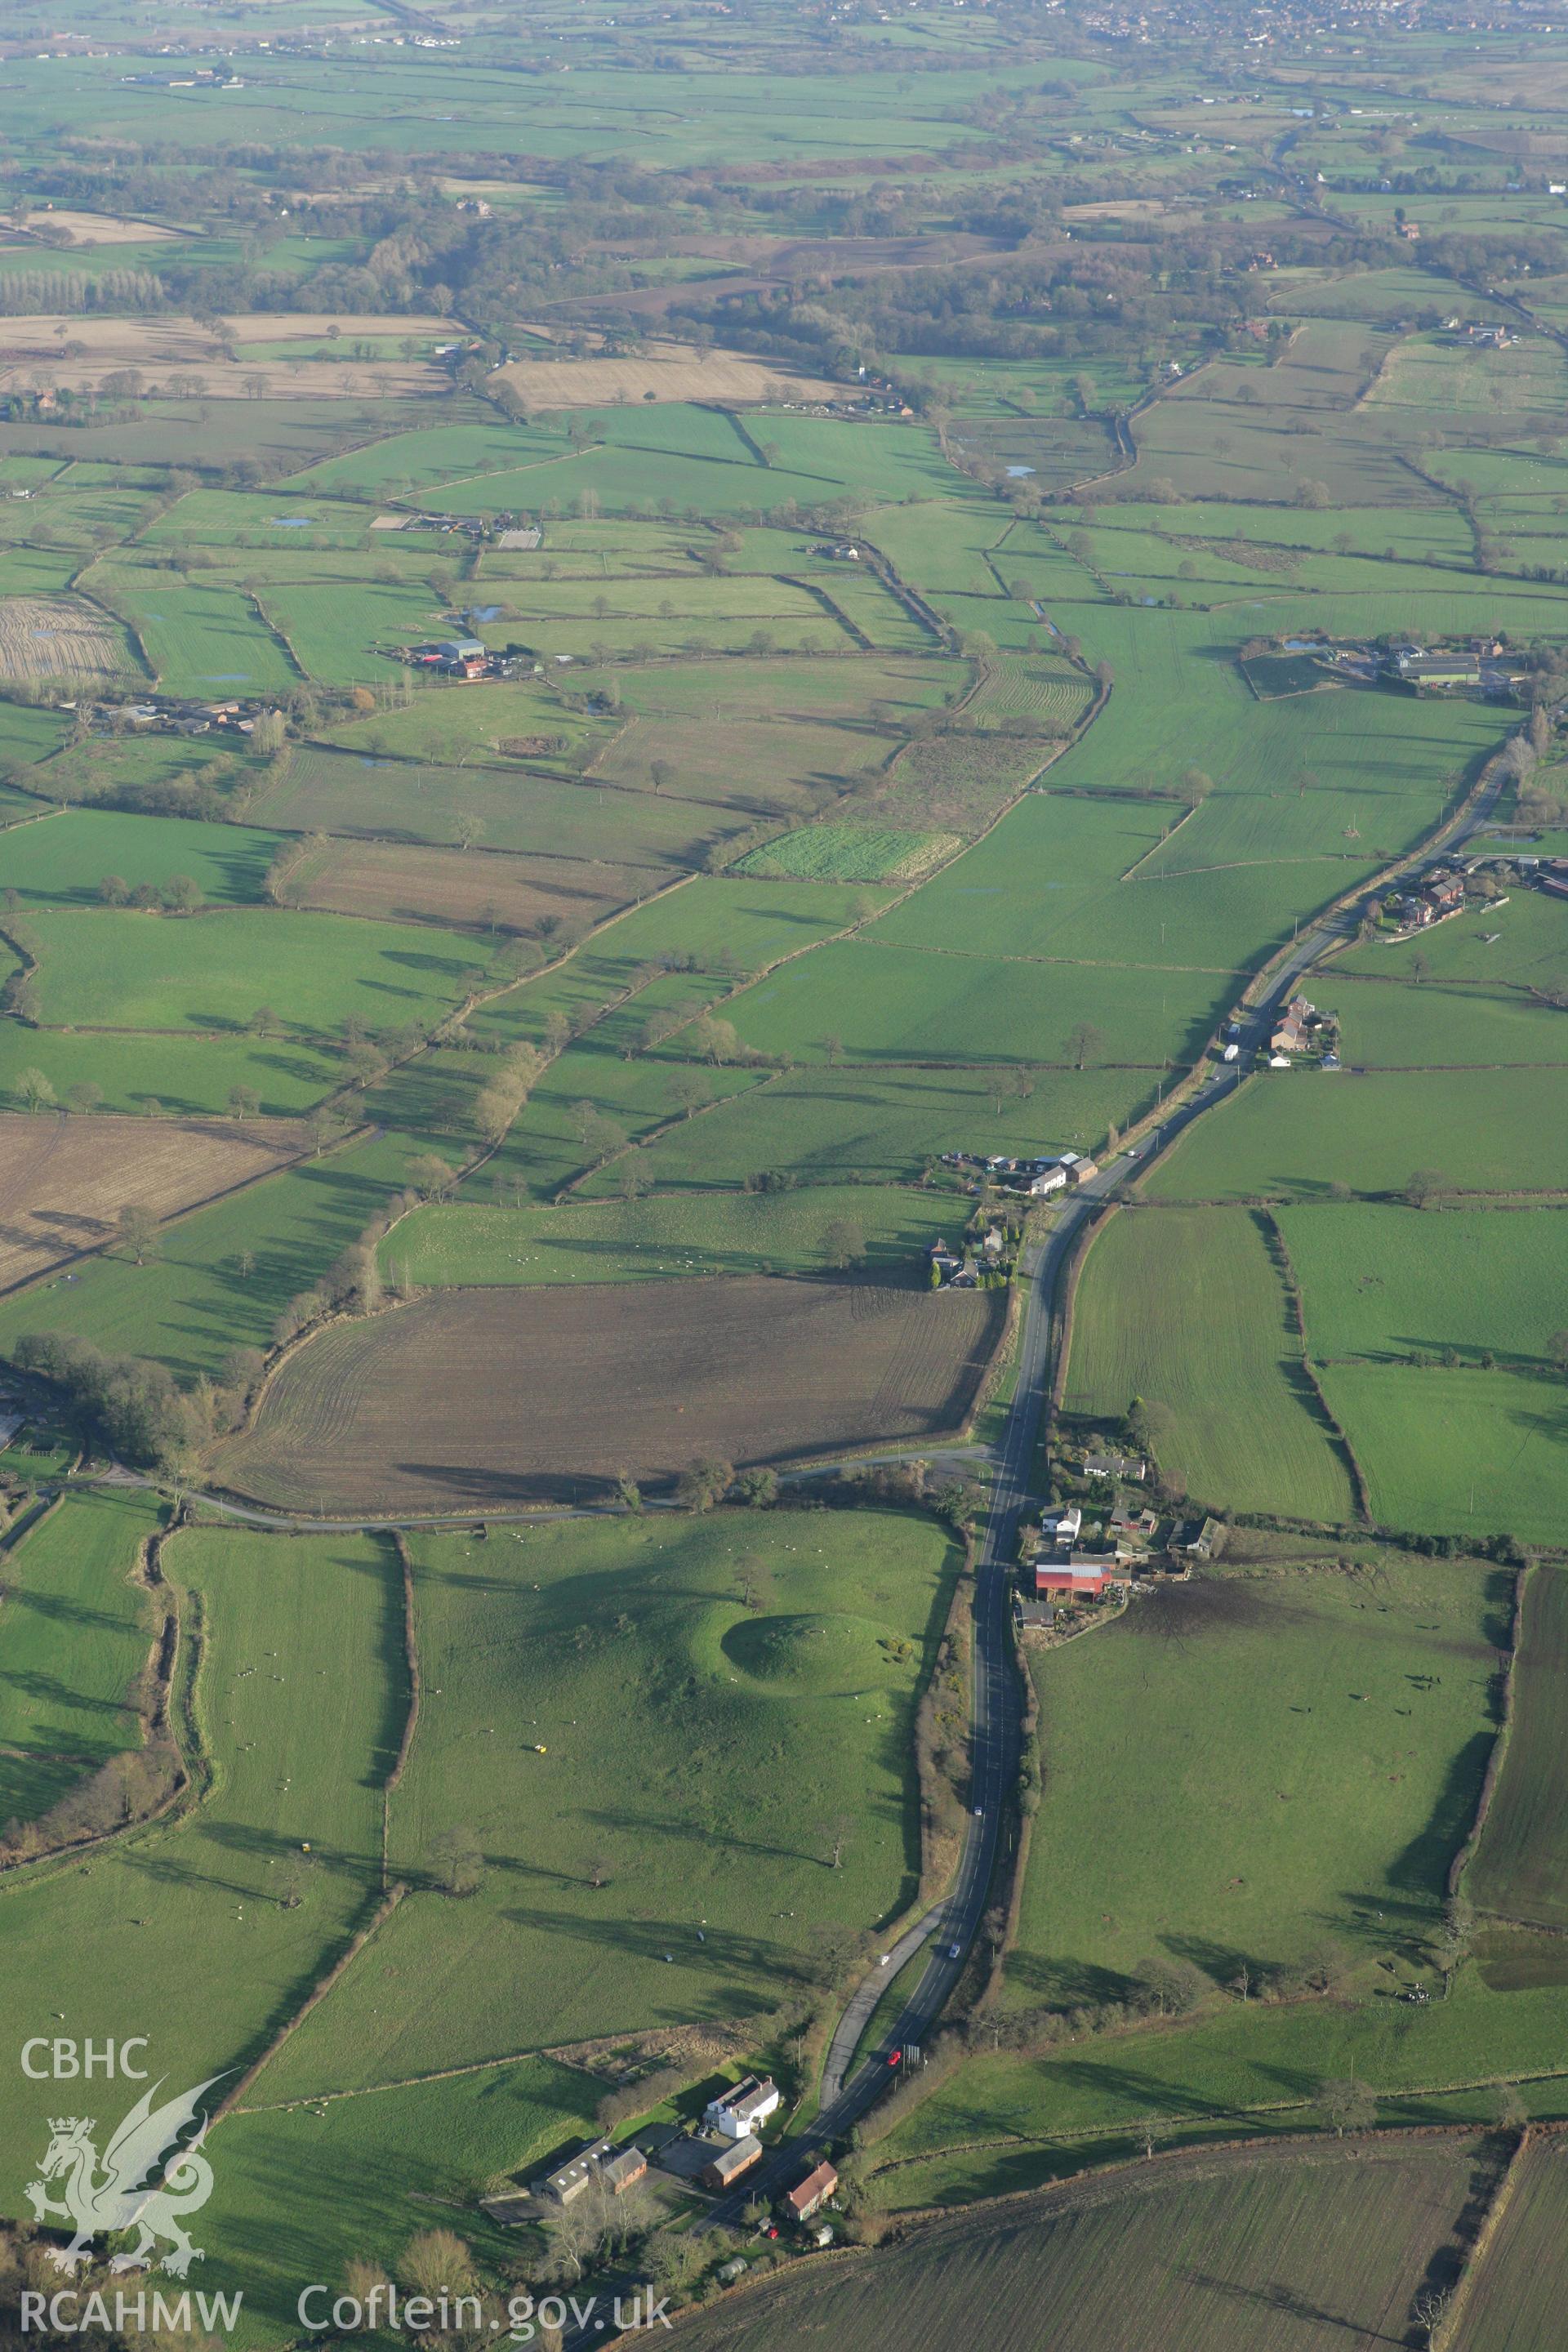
{"x":739,"y":2112}
{"x":813,"y":2191}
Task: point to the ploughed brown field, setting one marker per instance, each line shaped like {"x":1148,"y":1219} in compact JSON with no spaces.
{"x":63,"y":1181}
{"x":496,"y":1397}
{"x":1298,"y":2248}
{"x":395,"y":880}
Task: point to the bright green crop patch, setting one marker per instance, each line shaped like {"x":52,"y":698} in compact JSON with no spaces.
{"x":678,"y":1675}
{"x":1186,"y":1309}
{"x":861,"y":853}
{"x":212,"y":972}
{"x":185,"y":1075}
{"x":65,"y":1705}
{"x":672,"y":1235}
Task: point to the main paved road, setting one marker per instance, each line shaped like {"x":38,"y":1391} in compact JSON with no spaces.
{"x":956,"y":1920}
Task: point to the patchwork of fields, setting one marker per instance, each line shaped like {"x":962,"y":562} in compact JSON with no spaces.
{"x":626,"y":669}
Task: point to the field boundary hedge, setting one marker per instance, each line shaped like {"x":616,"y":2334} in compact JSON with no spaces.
{"x":1446,"y":2332}
{"x":410,"y":1720}
{"x":1285,"y":1264}
{"x":317,"y":1992}
{"x":1471,"y":1845}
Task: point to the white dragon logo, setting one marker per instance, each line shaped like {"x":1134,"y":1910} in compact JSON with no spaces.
{"x":139,"y":2190}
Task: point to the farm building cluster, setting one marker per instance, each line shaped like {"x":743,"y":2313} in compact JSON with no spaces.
{"x":714,"y":2156}
{"x":1034,"y":1179}
{"x":1108,"y":1542}
{"x":467,"y":659}
{"x":177,"y":714}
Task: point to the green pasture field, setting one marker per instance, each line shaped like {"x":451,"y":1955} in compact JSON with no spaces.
{"x":182,"y":1075}
{"x":806,"y":629}
{"x":671,"y":1236}
{"x":1380,"y":1281}
{"x":515,"y":808}
{"x":211,"y":972}
{"x":30,"y":733}
{"x":198,"y":635}
{"x":545,"y":1150}
{"x":196,"y":1299}
{"x":429,"y":456}
{"x":338,"y":628}
{"x":1454,"y":1450}
{"x":451,"y":725}
{"x":1239,"y":1423}
{"x":61,"y":860}
{"x":1518,"y":1869}
{"x":1294,"y":1134}
{"x":1045,"y":882}
{"x":76,"y":1635}
{"x":864,"y":853}
{"x":889,"y":1003}
{"x":1426,"y":373}
{"x":940,"y":544}
{"x":260,"y":518}
{"x":1419,"y":534}
{"x":1518,"y":942}
{"x":43,"y":571}
{"x":300,"y":1695}
{"x":312,"y":2187}
{"x":1464,"y":1453}
{"x":1297,"y":1755}
{"x":678,"y":1717}
{"x":882,"y":1125}
{"x":1168,"y":2256}
{"x":723,"y":925}
{"x":766,"y":736}
{"x":1005,"y":2125}
{"x":1443,"y":1023}
{"x":1377,"y":297}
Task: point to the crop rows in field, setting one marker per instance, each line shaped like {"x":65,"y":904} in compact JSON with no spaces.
{"x":1048,"y":689}
{"x":1165,"y":2256}
{"x":1520,"y":1866}
{"x":851,"y":852}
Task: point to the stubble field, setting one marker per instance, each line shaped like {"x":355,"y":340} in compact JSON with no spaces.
{"x":518,"y":1396}
{"x":63,"y":1181}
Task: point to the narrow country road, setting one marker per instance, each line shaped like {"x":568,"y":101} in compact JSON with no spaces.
{"x":951,"y":1925}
